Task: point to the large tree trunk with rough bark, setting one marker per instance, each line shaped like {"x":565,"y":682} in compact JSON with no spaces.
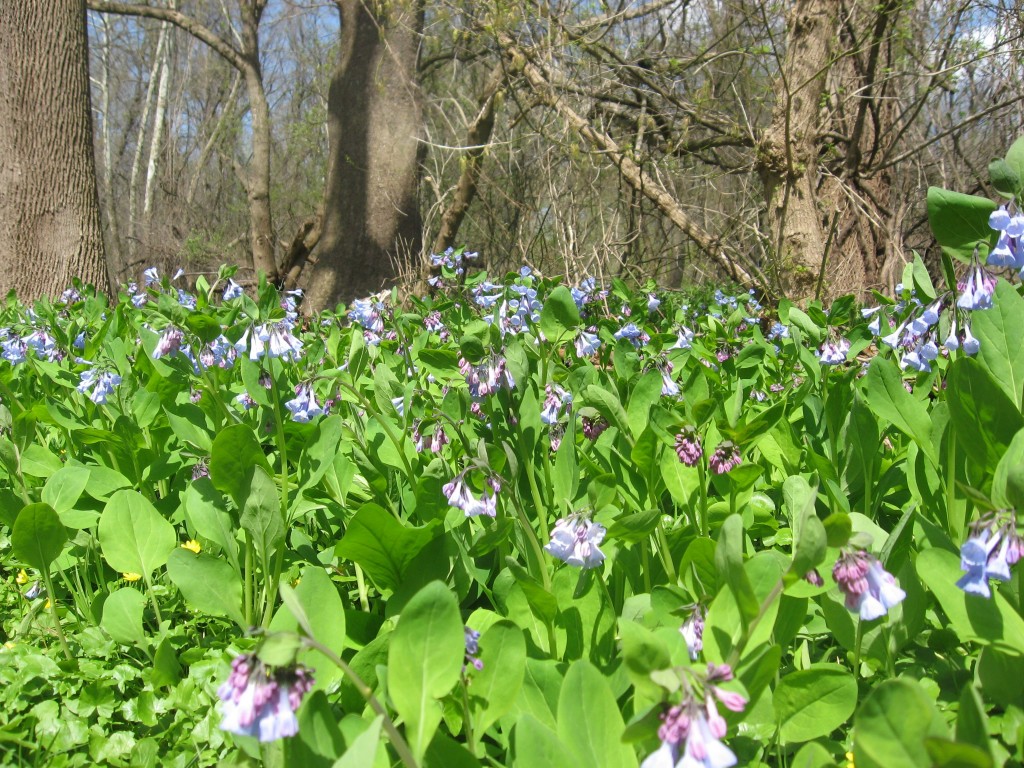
{"x":787,"y":160}
{"x":50,"y":227}
{"x":375,"y":120}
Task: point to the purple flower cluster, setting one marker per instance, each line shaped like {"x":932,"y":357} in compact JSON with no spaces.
{"x":98,"y":385}
{"x":575,"y":540}
{"x":486,"y":377}
{"x":688,"y":447}
{"x":261,"y":702}
{"x":691,"y":732}
{"x":692,"y":631}
{"x":725,"y":458}
{"x":992,"y":548}
{"x":1009,"y":248}
{"x":438,"y":439}
{"x":870,"y":590}
{"x":472,"y":650}
{"x":592,"y":428}
{"x":460,"y":496}
{"x":834,"y":352}
{"x":304,"y":406}
{"x":555,"y":400}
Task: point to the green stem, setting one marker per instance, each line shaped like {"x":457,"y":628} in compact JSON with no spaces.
{"x":248,"y":580}
{"x":666,"y":555}
{"x":152,"y":598}
{"x":52,"y":598}
{"x":282,"y":448}
{"x":400,"y":744}
{"x":856,"y":648}
{"x":467,"y":718}
{"x":703,"y":487}
{"x":954,"y":519}
{"x":748,"y":630}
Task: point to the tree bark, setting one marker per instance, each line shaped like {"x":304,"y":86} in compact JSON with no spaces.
{"x":50,"y":229}
{"x":372,"y":227}
{"x":787,"y":159}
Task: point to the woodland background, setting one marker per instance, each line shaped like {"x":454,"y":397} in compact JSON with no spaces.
{"x":785,"y":146}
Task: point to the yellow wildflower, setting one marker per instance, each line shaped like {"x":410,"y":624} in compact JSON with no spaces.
{"x":192,"y":545}
{"x":22,"y":577}
{"x":129,"y":576}
{"x":849,"y":759}
{"x":48,"y":604}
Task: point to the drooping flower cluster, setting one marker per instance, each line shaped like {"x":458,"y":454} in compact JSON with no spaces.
{"x":304,"y":406}
{"x":834,"y":352}
{"x":461,"y":496}
{"x":692,"y":631}
{"x":271,"y":339}
{"x":688,"y":447}
{"x":1009,"y":248}
{"x":98,"y":385}
{"x":261,"y":702}
{"x":487,"y":376}
{"x":691,"y":732}
{"x":555,"y":400}
{"x":870,"y":590}
{"x":992,"y":548}
{"x":575,"y":540}
{"x":472,"y":650}
{"x":632,"y":333}
{"x":438,"y":439}
{"x":592,"y":428}
{"x":725,"y":458}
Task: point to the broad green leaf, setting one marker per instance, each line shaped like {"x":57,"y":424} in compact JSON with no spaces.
{"x":122,"y":616}
{"x":537,"y":746}
{"x":811,"y":703}
{"x":1008,"y":483}
{"x":812,"y":755}
{"x":64,"y":488}
{"x":589,"y":721}
{"x":608,"y":405}
{"x":38,"y":536}
{"x":424,"y":661}
{"x":443,"y":364}
{"x":205,"y":509}
{"x":362,"y":751}
{"x":1000,"y":331}
{"x":261,"y":514}
{"x":892,"y":725}
{"x":886,"y":397}
{"x":729,"y":561}
{"x":503,"y":653}
{"x":985,"y":419}
{"x":188,"y":424}
{"x":1005,"y":180}
{"x":134,"y":538}
{"x":236,"y":450}
{"x":208,"y":584}
{"x":974,"y":618}
{"x":559,"y":316}
{"x":959,"y":222}
{"x":1015,"y":157}
{"x":381,"y":545}
{"x":315,"y":596}
{"x":952,"y":754}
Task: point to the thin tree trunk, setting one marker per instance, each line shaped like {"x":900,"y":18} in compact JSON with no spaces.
{"x":50,"y":227}
{"x":140,"y":146}
{"x":159,"y":119}
{"x":787,"y":159}
{"x":375,"y":116}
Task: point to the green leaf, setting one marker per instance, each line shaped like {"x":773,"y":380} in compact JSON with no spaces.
{"x":133,"y":536}
{"x":38,"y":536}
{"x":958,"y":221}
{"x":64,"y":488}
{"x":812,"y":755}
{"x":424,"y":661}
{"x":559,"y":315}
{"x":207,"y":583}
{"x":205,"y":510}
{"x":971,"y":723}
{"x":315,"y":605}
{"x":589,"y":721}
{"x":442,"y":363}
{"x":503,"y":653}
{"x":892,"y":725}
{"x":1000,"y":331}
{"x":261,"y":514}
{"x":236,"y":450}
{"x":1008,"y":483}
{"x":811,"y":703}
{"x":1015,"y":157}
{"x":608,"y":405}
{"x":950,"y":754}
{"x":887,"y":398}
{"x":1005,"y":180}
{"x":537,"y":746}
{"x":362,"y":751}
{"x":729,"y":562}
{"x":206,"y":327}
{"x":984,"y":418}
{"x":381,"y":545}
{"x":802,"y":320}
{"x":975,"y":619}
{"x":122,"y":616}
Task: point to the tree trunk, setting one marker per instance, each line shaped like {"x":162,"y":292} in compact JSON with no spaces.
{"x":50,"y":227}
{"x":788,"y":155}
{"x":372,"y":225}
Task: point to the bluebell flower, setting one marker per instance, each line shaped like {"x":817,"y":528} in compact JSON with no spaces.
{"x":461,"y":497}
{"x":869,"y":589}
{"x":169,"y":342}
{"x":473,"y":642}
{"x":304,"y":406}
{"x":684,"y":339}
{"x":151,"y":276}
{"x":778,"y":331}
{"x":575,"y":540}
{"x":976,"y":289}
{"x":587,"y":344}
{"x":971,"y":345}
{"x":14,"y":350}
{"x":632,"y":334}
{"x":653,"y":302}
{"x":692,"y":631}
{"x":834,"y":352}
{"x":262,"y":703}
{"x":98,"y":385}
{"x":992,"y":548}
{"x":187,"y":300}
{"x":233,"y":290}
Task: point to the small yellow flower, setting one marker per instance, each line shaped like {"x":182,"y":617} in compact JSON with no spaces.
{"x":849,"y":760}
{"x":8,"y":645}
{"x":22,"y":577}
{"x":192,"y":545}
{"x":129,"y":576}
{"x":48,"y":604}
